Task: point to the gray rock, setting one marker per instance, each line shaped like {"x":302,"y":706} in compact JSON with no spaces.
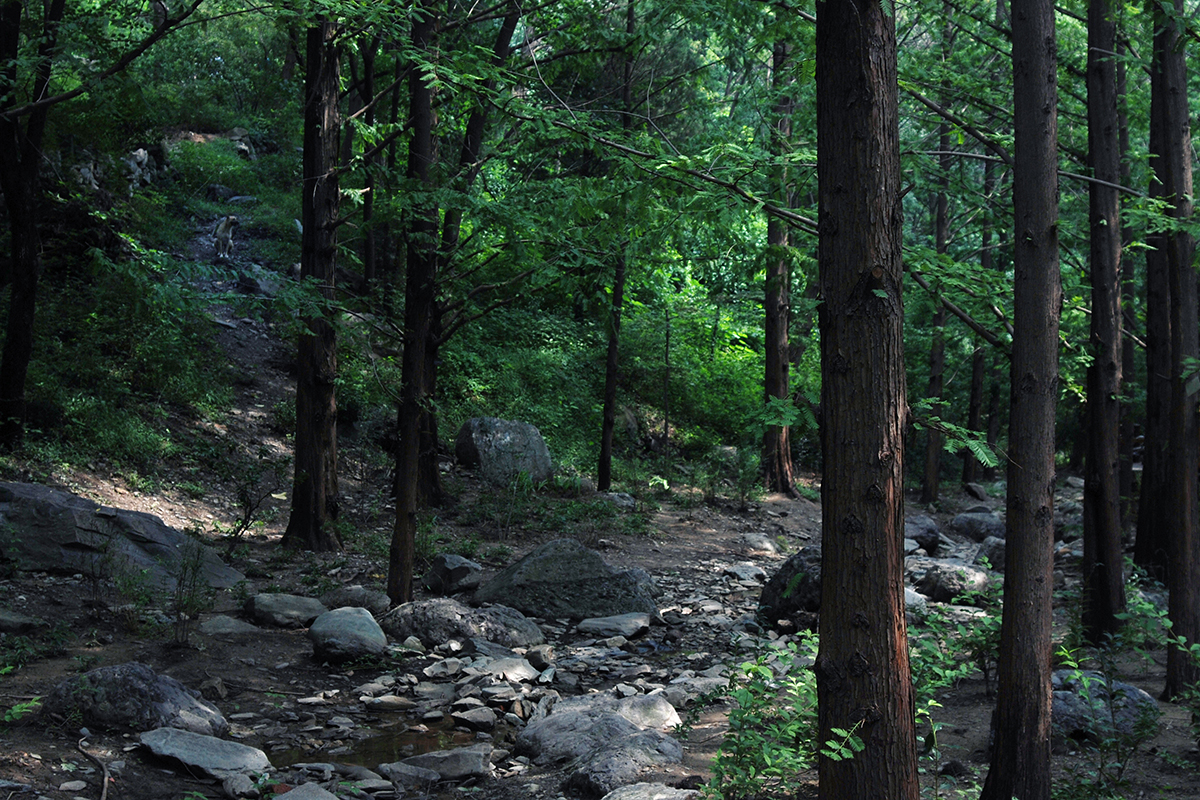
{"x":564,"y":579}
{"x":976,"y":490}
{"x":284,"y":610}
{"x":372,"y":600}
{"x":239,"y":785}
{"x":310,"y":791}
{"x":795,"y":586}
{"x":682,"y":691}
{"x":56,"y":531}
{"x":604,"y":749}
{"x":750,"y":573}
{"x":346,"y":633}
{"x":627,"y":625}
{"x":915,"y":602}
{"x":541,"y":656}
{"x":476,"y":719}
{"x":222,"y":625}
{"x":1088,"y":706}
{"x":512,"y":669}
{"x":650,"y":791}
{"x":215,"y":757}
{"x":440,"y":619}
{"x":449,"y":574}
{"x":945,"y":582}
{"x":408,"y":775}
{"x":991,"y":549}
{"x":978,"y":525}
{"x":502,"y":450}
{"x":474,"y":761}
{"x":133,"y":696}
{"x":925,"y":531}
{"x":17,"y":623}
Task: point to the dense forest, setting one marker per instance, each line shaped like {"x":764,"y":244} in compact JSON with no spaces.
{"x":632,"y":224}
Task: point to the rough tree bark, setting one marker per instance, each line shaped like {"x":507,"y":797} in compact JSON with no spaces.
{"x":1103,"y":570}
{"x":1169,"y":101}
{"x":420,"y":299}
{"x":315,"y":483}
{"x":777,"y":446}
{"x":1020,"y":766}
{"x":863,"y":678}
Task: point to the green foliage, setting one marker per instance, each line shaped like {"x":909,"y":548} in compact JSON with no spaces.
{"x":19,"y":710}
{"x":772,"y":735}
{"x":192,"y":594}
{"x":17,"y":651}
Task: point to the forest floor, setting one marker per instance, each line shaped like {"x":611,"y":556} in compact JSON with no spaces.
{"x":683,"y":538}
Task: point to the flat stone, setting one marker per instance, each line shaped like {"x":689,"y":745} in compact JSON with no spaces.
{"x":309,"y":791}
{"x":284,"y":610}
{"x":476,"y":719}
{"x":403,"y":774}
{"x":222,"y":625}
{"x":17,"y":623}
{"x":474,"y":761}
{"x":215,"y":757}
{"x":627,"y":625}
{"x":650,"y":791}
{"x":512,"y":669}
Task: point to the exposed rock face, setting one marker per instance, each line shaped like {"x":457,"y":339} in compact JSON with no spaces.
{"x":56,"y":531}
{"x":346,"y":633}
{"x":134,"y":696}
{"x":442,"y":619}
{"x":564,"y":579}
{"x":216,"y":757}
{"x":795,"y":586}
{"x":502,"y":449}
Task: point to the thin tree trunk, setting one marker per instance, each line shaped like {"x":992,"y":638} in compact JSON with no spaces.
{"x":419,"y":305}
{"x":1020,"y":766}
{"x":1174,"y":166}
{"x":315,"y":485}
{"x":863,"y":680}
{"x":1152,"y":546}
{"x":777,"y":447}
{"x":1103,"y":571}
{"x":971,"y":470}
{"x":612,"y":357}
{"x":1128,"y":316}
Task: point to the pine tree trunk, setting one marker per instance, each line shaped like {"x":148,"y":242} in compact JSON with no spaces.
{"x":777,"y":446}
{"x":1174,"y":166}
{"x":863,"y":679}
{"x":1020,"y":766}
{"x":420,"y":297}
{"x":315,"y":485}
{"x":1103,"y":568}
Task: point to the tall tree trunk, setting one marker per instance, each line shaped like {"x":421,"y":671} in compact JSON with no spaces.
{"x":1103,"y":570}
{"x":1174,"y":166}
{"x":971,"y":471}
{"x":1152,"y":546}
{"x":1020,"y":766}
{"x":315,"y":486}
{"x":1128,"y":316}
{"x":612,"y":358}
{"x":420,"y":298}
{"x":863,"y":679}
{"x":777,"y":447}
{"x":20,"y":161}
{"x":369,"y":49}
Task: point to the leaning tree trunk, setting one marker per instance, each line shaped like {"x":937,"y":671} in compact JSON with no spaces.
{"x":315,"y":486}
{"x":864,"y":683}
{"x":1020,"y":766}
{"x":1103,"y":570}
{"x":777,"y":447}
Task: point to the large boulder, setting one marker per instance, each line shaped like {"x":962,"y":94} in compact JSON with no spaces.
{"x":55,"y":531}
{"x":502,"y":449}
{"x":605,"y":742}
{"x":346,"y":633}
{"x":1087,"y":705}
{"x":438,"y":620}
{"x":134,"y":696}
{"x":564,"y":579}
{"x":284,"y":610}
{"x":950,"y":581}
{"x":449,"y":574}
{"x":795,"y":586}
{"x":978,"y":524}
